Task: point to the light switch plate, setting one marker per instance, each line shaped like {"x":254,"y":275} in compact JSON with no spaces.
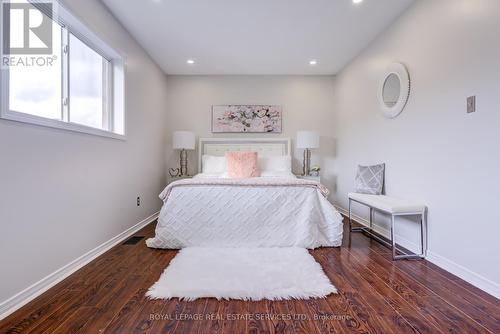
{"x":471,"y":104}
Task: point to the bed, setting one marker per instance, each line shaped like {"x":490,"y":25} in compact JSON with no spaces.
{"x":274,"y":210}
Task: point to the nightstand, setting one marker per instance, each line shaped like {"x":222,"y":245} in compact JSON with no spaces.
{"x":310,"y":177}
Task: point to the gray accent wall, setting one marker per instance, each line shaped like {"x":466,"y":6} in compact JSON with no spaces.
{"x":435,"y":153}
{"x":64,"y":193}
{"x":307,"y":103}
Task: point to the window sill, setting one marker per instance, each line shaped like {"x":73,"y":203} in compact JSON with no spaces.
{"x":54,"y":123}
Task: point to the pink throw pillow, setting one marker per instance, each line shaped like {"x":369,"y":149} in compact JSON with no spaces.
{"x":240,"y":165}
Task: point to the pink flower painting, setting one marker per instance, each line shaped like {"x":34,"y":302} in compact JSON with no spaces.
{"x":246,"y":118}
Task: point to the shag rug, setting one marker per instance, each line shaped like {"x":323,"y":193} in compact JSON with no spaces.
{"x":242,"y":273}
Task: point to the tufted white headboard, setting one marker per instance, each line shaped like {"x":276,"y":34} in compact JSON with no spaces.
{"x":263,"y":146}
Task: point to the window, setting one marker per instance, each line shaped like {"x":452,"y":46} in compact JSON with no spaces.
{"x":36,"y":90}
{"x":88,"y":80}
{"x":78,"y":86}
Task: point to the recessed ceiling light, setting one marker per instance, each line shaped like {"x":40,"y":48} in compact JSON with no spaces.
{"x":313,"y":62}
{"x":190,"y":61}
{"x":357,"y":1}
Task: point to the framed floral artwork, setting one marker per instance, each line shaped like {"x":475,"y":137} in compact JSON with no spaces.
{"x":246,"y":118}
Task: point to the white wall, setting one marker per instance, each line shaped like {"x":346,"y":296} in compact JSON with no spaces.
{"x":64,"y":193}
{"x":307,"y":103}
{"x":434,"y":151}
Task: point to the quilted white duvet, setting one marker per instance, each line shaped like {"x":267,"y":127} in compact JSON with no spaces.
{"x":246,"y":213}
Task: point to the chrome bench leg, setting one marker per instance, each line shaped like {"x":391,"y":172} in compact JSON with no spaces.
{"x":350,"y":218}
{"x":423,"y":230}
{"x":356,"y":229}
{"x":371,"y":218}
{"x":422,"y":242}
{"x":393,"y":240}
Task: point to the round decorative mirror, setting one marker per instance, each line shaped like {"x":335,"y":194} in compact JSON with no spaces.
{"x":394,"y":90}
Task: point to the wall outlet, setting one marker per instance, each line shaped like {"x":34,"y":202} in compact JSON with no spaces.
{"x":138,"y":201}
{"x":471,"y":104}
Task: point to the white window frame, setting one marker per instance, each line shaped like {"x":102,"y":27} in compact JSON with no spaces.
{"x":113,"y":97}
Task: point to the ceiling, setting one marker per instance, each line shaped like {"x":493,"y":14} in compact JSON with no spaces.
{"x":255,"y":36}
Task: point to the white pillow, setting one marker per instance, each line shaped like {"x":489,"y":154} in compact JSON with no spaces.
{"x":212,"y":164}
{"x":279,"y":163}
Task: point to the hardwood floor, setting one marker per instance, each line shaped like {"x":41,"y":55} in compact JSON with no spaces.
{"x":376,"y":295}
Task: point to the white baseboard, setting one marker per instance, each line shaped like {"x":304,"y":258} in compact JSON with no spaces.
{"x":456,"y":269}
{"x":20,"y":299}
{"x":467,"y":275}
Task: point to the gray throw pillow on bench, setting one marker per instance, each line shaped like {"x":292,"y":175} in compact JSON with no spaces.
{"x":370,"y":179}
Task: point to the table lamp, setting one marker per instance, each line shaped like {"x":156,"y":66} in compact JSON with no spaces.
{"x":183,"y":140}
{"x":307,"y":140}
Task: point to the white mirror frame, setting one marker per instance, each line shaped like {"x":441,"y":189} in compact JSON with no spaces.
{"x":401,"y":72}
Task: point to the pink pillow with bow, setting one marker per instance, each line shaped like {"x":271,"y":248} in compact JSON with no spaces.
{"x":241,"y":165}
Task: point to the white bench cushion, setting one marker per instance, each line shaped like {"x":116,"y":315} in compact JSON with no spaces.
{"x":387,"y":204}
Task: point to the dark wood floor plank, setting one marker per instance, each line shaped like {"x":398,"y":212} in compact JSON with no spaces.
{"x":115,"y":297}
{"x":493,"y":309}
{"x":463,"y":284}
{"x":147,"y":309}
{"x":481,"y":299}
{"x":485,"y":314}
{"x":141,"y":321}
{"x":429,"y":304}
{"x":192,"y":316}
{"x":119,"y":323}
{"x":75,"y":322}
{"x":234,"y":316}
{"x":449,"y":293}
{"x":110,"y":306}
{"x":453,"y":282}
{"x":324,"y":318}
{"x":284,"y":323}
{"x":70,"y":306}
{"x":87,"y":275}
{"x":168,"y":317}
{"x":92,"y":294}
{"x":303,"y":322}
{"x":356,"y":318}
{"x":29,"y":316}
{"x":117,"y":275}
{"x":354,"y":297}
{"x":383,"y":307}
{"x":214,"y":314}
{"x":376,"y":295}
{"x":257,"y":324}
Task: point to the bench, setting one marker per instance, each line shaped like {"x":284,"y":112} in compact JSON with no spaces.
{"x":394,"y":207}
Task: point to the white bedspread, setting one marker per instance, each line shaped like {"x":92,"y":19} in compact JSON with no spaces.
{"x":221,"y":213}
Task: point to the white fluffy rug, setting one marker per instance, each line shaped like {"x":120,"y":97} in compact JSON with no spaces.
{"x":242,"y":273}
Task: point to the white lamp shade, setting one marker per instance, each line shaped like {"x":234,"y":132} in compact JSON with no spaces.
{"x":307,"y":139}
{"x":183,"y":140}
